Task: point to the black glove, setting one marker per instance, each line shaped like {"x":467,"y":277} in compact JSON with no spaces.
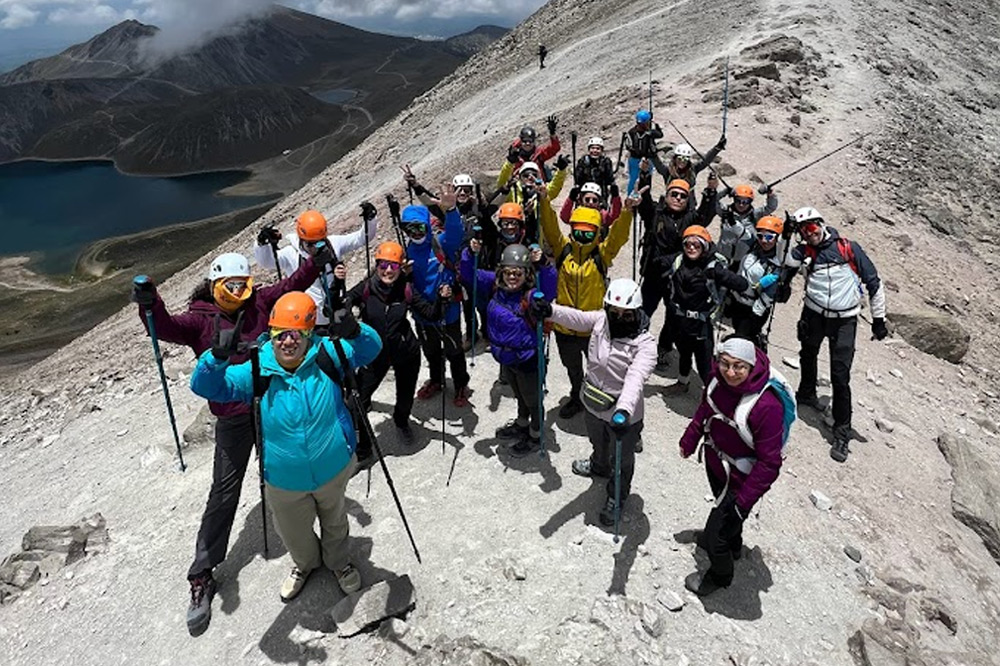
{"x":562,"y":162}
{"x":721,"y":144}
{"x":783,"y":293}
{"x":344,"y":325}
{"x":393,"y":204}
{"x":540,"y":308}
{"x":143,"y":290}
{"x":226,"y":343}
{"x":513,"y":154}
{"x":552,"y":123}
{"x":619,"y":422}
{"x":324,"y":255}
{"x":879,"y":331}
{"x":268,"y":235}
{"x":574,"y":193}
{"x":614,"y":190}
{"x":764,"y":189}
{"x":728,"y":192}
{"x":368,"y":211}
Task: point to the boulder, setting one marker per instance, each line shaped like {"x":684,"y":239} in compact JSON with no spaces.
{"x":935,"y":334}
{"x":201,"y":432}
{"x":464,"y":651}
{"x":368,"y":607}
{"x":975,"y":498}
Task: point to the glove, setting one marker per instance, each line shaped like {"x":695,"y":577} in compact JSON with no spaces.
{"x":562,"y":162}
{"x":763,"y":189}
{"x":783,"y":294}
{"x":513,"y":154}
{"x":540,"y":308}
{"x":619,"y":422}
{"x":574,"y":193}
{"x":226,"y":343}
{"x":879,"y":331}
{"x":768,"y":280}
{"x":721,"y":144}
{"x":268,"y":235}
{"x":552,"y":123}
{"x":728,"y":192}
{"x":614,"y":190}
{"x":143,"y":291}
{"x":710,"y":273}
{"x":393,"y":203}
{"x":368,"y":211}
{"x":324,"y":255}
{"x":343,"y":325}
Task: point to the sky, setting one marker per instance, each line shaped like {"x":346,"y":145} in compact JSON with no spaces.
{"x":35,"y":28}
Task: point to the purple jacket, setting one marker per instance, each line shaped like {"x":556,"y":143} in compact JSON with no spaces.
{"x":195,"y":327}
{"x":766,"y":422}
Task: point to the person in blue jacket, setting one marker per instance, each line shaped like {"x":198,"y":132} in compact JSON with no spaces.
{"x":513,"y":333}
{"x":434,"y":256}
{"x":307,"y":432}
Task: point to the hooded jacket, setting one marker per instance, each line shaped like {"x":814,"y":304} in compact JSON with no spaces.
{"x":384,"y":308}
{"x":195,"y":327}
{"x":738,"y":231}
{"x":641,"y":142}
{"x":307,"y":431}
{"x":766,"y":422}
{"x":755,"y":265}
{"x":435,"y":263}
{"x":581,"y":283}
{"x":620,"y":366}
{"x":695,"y":288}
{"x":539,"y":156}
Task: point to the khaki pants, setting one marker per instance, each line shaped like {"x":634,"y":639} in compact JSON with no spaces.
{"x":295,"y":512}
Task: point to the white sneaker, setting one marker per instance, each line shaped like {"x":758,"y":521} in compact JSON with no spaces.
{"x":293,"y":584}
{"x":349,"y":579}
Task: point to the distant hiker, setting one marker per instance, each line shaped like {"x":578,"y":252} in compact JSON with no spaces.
{"x":383,"y":300}
{"x":310,"y":228}
{"x":595,"y":167}
{"x":583,"y":261}
{"x":512,"y":332}
{"x":590,"y":195}
{"x":743,"y":420}
{"x":761,"y":267}
{"x":523,"y":189}
{"x":835,"y":270}
{"x":525,"y":148}
{"x":697,"y":278}
{"x":542,"y":52}
{"x":434,"y":256}
{"x":620,"y":358}
{"x":738,"y":222}
{"x":229,"y":295}
{"x":640,"y":141}
{"x":308,"y":433}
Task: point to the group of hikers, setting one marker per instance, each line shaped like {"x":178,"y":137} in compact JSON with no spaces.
{"x":474,"y":266}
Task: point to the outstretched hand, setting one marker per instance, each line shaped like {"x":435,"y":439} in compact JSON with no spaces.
{"x":408,"y":175}
{"x":447,"y":197}
{"x":635,"y":198}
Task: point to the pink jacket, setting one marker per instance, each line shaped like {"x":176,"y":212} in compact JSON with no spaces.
{"x":617,"y":367}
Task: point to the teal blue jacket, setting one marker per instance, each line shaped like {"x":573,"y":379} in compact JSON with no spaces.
{"x":309,"y":437}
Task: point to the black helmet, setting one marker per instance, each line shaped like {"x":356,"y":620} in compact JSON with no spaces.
{"x":516,"y":256}
{"x":528,"y":134}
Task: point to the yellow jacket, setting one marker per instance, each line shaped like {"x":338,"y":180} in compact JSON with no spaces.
{"x":581,"y":284}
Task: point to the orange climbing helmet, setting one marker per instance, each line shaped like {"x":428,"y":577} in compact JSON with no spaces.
{"x":390,"y":251}
{"x":699,"y":231}
{"x":679,"y":184}
{"x":295,"y":310}
{"x":771,"y":223}
{"x":311,"y":226}
{"x":743,"y":191}
{"x":511,"y":211}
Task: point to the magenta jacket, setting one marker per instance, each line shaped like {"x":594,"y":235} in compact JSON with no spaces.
{"x":194,"y":328}
{"x":766,"y":422}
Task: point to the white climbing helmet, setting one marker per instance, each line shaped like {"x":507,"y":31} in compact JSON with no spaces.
{"x":463,"y":180}
{"x":231,"y":264}
{"x":683,"y":150}
{"x":807,"y":214}
{"x":595,"y":141}
{"x":528,"y":166}
{"x":623,"y":293}
{"x":591,"y":188}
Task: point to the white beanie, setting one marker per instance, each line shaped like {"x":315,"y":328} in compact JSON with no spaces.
{"x":740,"y":348}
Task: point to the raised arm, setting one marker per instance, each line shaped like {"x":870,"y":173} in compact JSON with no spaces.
{"x":218,"y":381}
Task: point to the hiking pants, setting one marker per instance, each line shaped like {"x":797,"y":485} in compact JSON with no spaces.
{"x":234,"y":440}
{"x":746,"y":324}
{"x":572,"y":351}
{"x":722,"y":537}
{"x":523,"y":380}
{"x":701,"y":347}
{"x":295,"y":512}
{"x":431,"y":340}
{"x":406,"y":367}
{"x":602,"y":459}
{"x":840,"y":332}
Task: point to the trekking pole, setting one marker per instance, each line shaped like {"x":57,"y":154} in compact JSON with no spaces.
{"x":393,"y":205}
{"x":650,"y":93}
{"x":621,"y":149}
{"x":274,"y":252}
{"x":144,"y":281}
{"x":699,"y":153}
{"x":409,"y":190}
{"x":540,"y":332}
{"x":350,"y":379}
{"x":444,"y":383}
{"x":572,"y":141}
{"x":774,"y":305}
{"x":364,"y":230}
{"x":725,"y":100}
{"x":818,"y":159}
{"x":635,"y":243}
{"x":619,"y":420}
{"x":476,"y":231}
{"x":259,"y":435}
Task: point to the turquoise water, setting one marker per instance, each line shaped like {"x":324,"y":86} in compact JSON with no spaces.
{"x":335,"y":96}
{"x":50,"y":211}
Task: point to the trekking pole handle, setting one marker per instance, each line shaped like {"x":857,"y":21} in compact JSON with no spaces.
{"x":618,"y":419}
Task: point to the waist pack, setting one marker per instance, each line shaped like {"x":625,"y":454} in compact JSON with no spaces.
{"x":596,"y":399}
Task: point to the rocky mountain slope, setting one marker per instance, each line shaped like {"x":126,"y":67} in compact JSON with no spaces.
{"x":888,"y":559}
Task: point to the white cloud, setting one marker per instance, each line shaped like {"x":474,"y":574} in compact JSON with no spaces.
{"x":409,"y":10}
{"x":16,"y":15}
{"x":88,"y":14}
{"x":185,"y":24}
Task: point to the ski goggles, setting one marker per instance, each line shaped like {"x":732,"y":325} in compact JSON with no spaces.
{"x":384,"y":265}
{"x":742,"y":201}
{"x":677,"y":194}
{"x":415,"y":230}
{"x":235,"y":286}
{"x":693,"y":244}
{"x":583,"y":236}
{"x":293,"y":334}
{"x":766,"y":236}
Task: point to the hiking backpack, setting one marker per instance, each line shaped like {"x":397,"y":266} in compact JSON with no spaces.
{"x":843,"y":247}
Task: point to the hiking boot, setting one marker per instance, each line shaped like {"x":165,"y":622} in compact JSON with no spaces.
{"x":404,"y":435}
{"x":677,"y":388}
{"x":638,"y":445}
{"x":572,"y":407}
{"x":462,"y":396}
{"x":607,"y":515}
{"x":839,"y":450}
{"x":293,"y":584}
{"x":701,"y":584}
{"x":365,"y":460}
{"x":428,"y":390}
{"x":349,"y":579}
{"x":467,"y":344}
{"x":199,"y":612}
{"x":809,"y":401}
{"x":511,"y":431}
{"x":525,"y":445}
{"x":662,"y":361}
{"x":582,"y":467}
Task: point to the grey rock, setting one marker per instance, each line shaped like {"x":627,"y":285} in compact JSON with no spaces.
{"x":865,"y":574}
{"x":977,"y":487}
{"x":603,"y":612}
{"x":652,"y":622}
{"x":201,"y":432}
{"x":393,"y":628}
{"x":790,"y":361}
{"x":514,"y":569}
{"x":820,"y":501}
{"x":852,"y":553}
{"x":464,"y":651}
{"x":935,"y":334}
{"x":670,"y":600}
{"x":986,"y":424}
{"x":885,"y":425}
{"x":368,"y":607}
{"x":765,"y":71}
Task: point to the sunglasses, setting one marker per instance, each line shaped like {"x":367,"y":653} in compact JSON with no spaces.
{"x":415,"y":230}
{"x":509,"y":223}
{"x":384,"y":265}
{"x":692,"y":244}
{"x":464,"y":188}
{"x":810,"y":229}
{"x":235,"y":286}
{"x":766,"y":236}
{"x":590,"y":200}
{"x":742,"y":201}
{"x":308,"y":244}
{"x":586,"y":236}
{"x":738,"y":367}
{"x":682,"y":158}
{"x":293,"y":334}
{"x":677,"y":195}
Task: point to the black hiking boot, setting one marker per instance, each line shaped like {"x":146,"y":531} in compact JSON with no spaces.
{"x":525,"y":445}
{"x":572,"y":407}
{"x":809,"y":401}
{"x":404,"y":435}
{"x":512,"y":431}
{"x":840,"y":449}
{"x":199,"y":612}
{"x":607,"y":515}
{"x":701,"y":584}
{"x":662,"y":361}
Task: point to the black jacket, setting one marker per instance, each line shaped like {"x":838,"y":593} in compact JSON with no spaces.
{"x":697,"y":287}
{"x":384,"y":309}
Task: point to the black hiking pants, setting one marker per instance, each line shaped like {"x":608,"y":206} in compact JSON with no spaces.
{"x":431,"y":339}
{"x":602,"y":459}
{"x":700,"y":346}
{"x":405,"y":365}
{"x":572,"y":352}
{"x":722,"y":537}
{"x":234,"y":441}
{"x":523,"y":381}
{"x":745,"y":323}
{"x":840,"y":332}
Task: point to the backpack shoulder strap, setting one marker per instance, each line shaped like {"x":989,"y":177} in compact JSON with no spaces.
{"x":566,"y":251}
{"x":329,"y":368}
{"x":847,"y":252}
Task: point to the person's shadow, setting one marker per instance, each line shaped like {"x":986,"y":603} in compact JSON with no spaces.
{"x":249,"y":542}
{"x":741,"y":600}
